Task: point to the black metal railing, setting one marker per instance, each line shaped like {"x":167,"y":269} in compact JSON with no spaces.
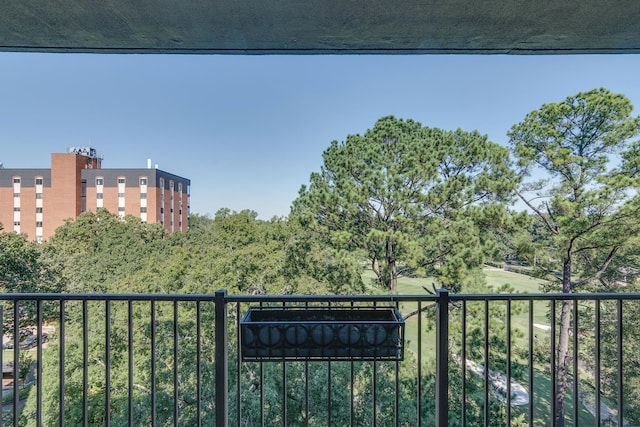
{"x":156,"y":360}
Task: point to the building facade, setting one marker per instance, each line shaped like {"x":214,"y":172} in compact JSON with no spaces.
{"x":37,"y":201}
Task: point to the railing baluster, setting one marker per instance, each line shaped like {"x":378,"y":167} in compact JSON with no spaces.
{"x":597,"y":363}
{"x":374,"y":386}
{"x":107,"y":362}
{"x":531,"y":337}
{"x":238,"y":369}
{"x":329,"y":391}
{"x":39,"y":320}
{"x":16,"y":360}
{"x":442,"y":359}
{"x":261,"y":367}
{"x":576,"y":407}
{"x":175,"y":363}
{"x":553,"y":362}
{"x":396,"y":403}
{"x":198,"y":370}
{"x":284,"y":394}
{"x":419,"y":391}
{"x":306,"y":393}
{"x":85,"y":364}
{"x":352,"y":380}
{"x":130,"y":362}
{"x":222,"y":382}
{"x":463,"y":364}
{"x":153,"y":363}
{"x":620,"y":364}
{"x":284,"y":390}
{"x":508,"y":362}
{"x":486,"y":363}
{"x":61,"y":363}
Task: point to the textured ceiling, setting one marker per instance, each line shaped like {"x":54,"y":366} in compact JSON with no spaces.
{"x":321,"y":26}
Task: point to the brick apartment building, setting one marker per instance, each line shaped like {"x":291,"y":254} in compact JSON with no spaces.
{"x":37,"y":201}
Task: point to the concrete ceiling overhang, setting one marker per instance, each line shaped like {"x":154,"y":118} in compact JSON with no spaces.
{"x":321,"y":26}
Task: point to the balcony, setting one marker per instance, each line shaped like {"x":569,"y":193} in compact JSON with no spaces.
{"x":176,"y":360}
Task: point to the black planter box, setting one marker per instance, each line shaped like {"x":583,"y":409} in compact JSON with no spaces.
{"x":312,"y":333}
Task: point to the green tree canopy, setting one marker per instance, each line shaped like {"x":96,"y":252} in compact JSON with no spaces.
{"x":577,"y":151}
{"x":22,"y":269}
{"x":96,"y":251}
{"x":406,"y":196}
{"x":19,"y":264}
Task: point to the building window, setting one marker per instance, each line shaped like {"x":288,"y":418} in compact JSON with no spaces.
{"x":38,"y":210}
{"x":16,"y":223}
{"x":83,"y":196}
{"x":38,"y":181}
{"x":121,"y":209}
{"x":16,"y":180}
{"x":38,"y":223}
{"x":16,"y":194}
{"x":99,"y":195}
{"x":143,"y":181}
{"x":38,"y":195}
{"x":143,"y":195}
{"x":16,"y":209}
{"x":120,"y":194}
{"x":120,"y":180}
{"x":99,"y":181}
{"x":143,"y":209}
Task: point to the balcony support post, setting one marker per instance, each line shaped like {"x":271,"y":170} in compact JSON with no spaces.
{"x":222,"y":373}
{"x":442,"y":358}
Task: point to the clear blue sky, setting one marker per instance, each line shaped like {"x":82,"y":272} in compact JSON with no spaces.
{"x":249,"y":130}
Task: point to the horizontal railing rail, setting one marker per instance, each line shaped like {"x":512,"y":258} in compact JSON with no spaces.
{"x":472,"y":359}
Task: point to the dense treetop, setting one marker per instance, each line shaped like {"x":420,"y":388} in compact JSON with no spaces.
{"x":406,"y":197}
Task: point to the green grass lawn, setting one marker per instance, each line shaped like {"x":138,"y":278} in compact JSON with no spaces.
{"x":519,"y":320}
{"x":524,"y":285}
{"x":495,"y":278}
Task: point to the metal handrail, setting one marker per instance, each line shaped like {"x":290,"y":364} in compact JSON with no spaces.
{"x":230,"y":371}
